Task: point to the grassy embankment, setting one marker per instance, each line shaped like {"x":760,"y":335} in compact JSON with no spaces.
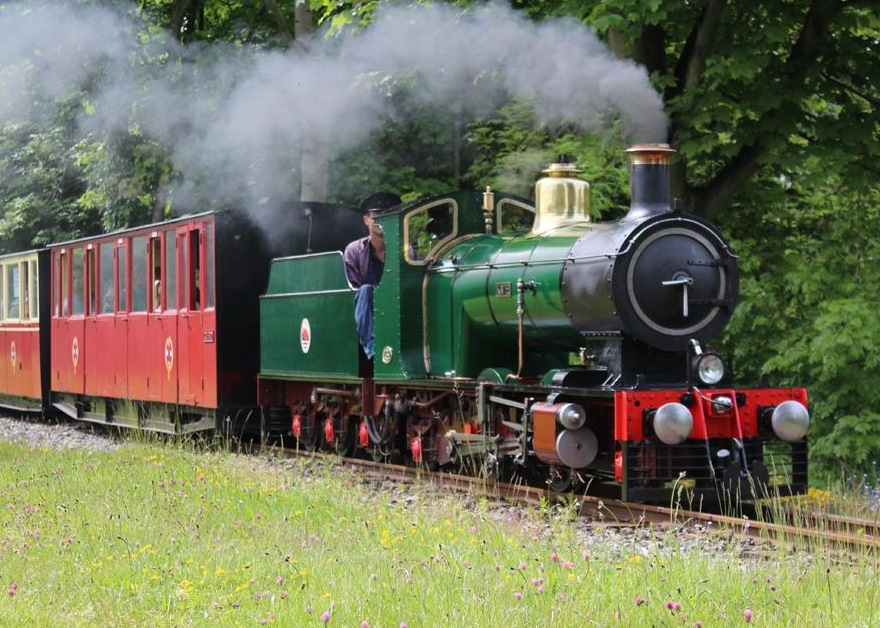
{"x":159,"y":535}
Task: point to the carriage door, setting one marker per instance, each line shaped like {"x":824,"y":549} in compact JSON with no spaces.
{"x":190,"y":328}
{"x":107,"y":366}
{"x":68,"y":321}
{"x":162,"y":312}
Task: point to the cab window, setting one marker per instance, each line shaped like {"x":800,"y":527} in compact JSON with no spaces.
{"x":427,"y":228}
{"x":514,"y":216}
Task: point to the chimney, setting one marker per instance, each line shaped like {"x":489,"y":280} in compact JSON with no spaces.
{"x":649,"y":180}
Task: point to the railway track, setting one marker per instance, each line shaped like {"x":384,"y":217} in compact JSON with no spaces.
{"x":778,"y":523}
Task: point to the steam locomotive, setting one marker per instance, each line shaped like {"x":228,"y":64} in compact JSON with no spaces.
{"x":513,"y":339}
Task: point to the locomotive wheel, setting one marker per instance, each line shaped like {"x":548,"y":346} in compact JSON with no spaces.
{"x":380,"y":454}
{"x":344,"y":438}
{"x":560,"y":479}
{"x":382,"y":438}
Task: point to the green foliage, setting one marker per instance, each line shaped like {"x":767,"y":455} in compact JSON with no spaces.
{"x":513,"y":148}
{"x":124,"y":176}
{"x":419,"y":150}
{"x":808,"y":315}
{"x":40,"y":183}
{"x":235,"y":21}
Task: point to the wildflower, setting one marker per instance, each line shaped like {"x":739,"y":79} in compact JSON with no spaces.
{"x":554,"y":557}
{"x":325,"y":616}
{"x":698,"y":624}
{"x":640,"y":601}
{"x":522,"y":566}
{"x":279,"y":581}
{"x":517,"y":595}
{"x":747,"y":615}
{"x":365,"y":624}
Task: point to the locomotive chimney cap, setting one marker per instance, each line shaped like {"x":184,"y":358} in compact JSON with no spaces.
{"x":650,"y":153}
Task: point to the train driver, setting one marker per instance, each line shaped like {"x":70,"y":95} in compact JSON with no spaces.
{"x":364,"y":263}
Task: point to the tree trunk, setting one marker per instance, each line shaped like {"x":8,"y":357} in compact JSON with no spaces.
{"x":314,"y":173}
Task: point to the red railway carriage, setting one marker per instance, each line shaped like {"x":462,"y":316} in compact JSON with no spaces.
{"x":156,"y":327}
{"x":24,"y":342}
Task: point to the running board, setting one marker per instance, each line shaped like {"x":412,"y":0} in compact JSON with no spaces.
{"x":66,"y":408}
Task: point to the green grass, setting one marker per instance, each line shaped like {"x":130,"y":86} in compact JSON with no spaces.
{"x":163,"y":535}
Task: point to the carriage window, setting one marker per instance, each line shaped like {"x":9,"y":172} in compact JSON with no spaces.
{"x":156,"y":274}
{"x":170,"y":270}
{"x":122,"y":273}
{"x":514,"y":217}
{"x":106,"y":287}
{"x":92,"y":282}
{"x":33,"y":293}
{"x":138,"y":274}
{"x":13,"y":292}
{"x":63,"y":293}
{"x":78,"y":282}
{"x":195,"y":295}
{"x":184,"y":272}
{"x":209,"y":264}
{"x":25,"y":290}
{"x":426,"y":228}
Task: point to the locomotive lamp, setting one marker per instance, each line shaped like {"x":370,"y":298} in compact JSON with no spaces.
{"x":673,"y":423}
{"x":790,"y":420}
{"x":707,"y":366}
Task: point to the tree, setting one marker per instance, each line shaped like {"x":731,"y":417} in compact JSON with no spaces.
{"x":751,"y":83}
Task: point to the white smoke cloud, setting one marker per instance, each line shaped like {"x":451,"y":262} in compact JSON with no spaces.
{"x":233,"y":118}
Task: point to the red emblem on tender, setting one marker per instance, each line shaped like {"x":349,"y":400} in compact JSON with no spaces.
{"x":305,"y":335}
{"x":74,"y":353}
